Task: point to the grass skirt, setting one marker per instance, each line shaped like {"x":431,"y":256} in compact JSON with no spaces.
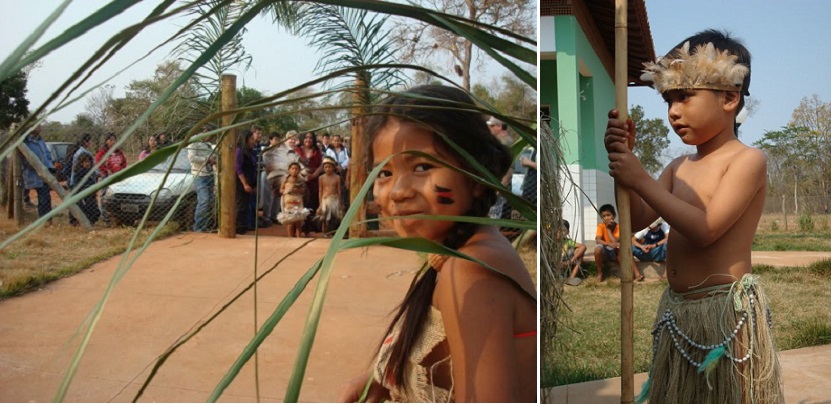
{"x":715,"y":349}
{"x":292,"y":210}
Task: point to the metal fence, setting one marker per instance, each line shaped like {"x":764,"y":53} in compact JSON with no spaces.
{"x":126,"y":202}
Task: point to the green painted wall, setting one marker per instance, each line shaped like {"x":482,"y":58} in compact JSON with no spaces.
{"x":577,"y":102}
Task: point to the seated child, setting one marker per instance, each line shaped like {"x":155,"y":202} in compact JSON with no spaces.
{"x":607,"y":237}
{"x":573,"y":253}
{"x":329,"y":183}
{"x":292,"y":212}
{"x":649,"y":244}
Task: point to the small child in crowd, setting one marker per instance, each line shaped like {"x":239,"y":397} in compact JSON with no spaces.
{"x":88,"y":205}
{"x":329,"y":183}
{"x":292,"y":212}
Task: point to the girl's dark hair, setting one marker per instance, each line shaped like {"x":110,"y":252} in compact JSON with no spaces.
{"x":242,"y":141}
{"x":81,"y":158}
{"x":107,"y":137}
{"x":314,"y":140}
{"x":147,"y":147}
{"x":723,"y":41}
{"x":466,"y":129}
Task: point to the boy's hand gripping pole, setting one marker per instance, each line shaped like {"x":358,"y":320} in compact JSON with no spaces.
{"x":627,"y":385}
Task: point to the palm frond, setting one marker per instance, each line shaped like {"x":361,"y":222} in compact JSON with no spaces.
{"x":349,"y":37}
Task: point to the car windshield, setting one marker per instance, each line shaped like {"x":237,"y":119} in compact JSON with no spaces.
{"x":181,"y":165}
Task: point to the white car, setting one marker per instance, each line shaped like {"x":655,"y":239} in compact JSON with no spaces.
{"x":126,"y":201}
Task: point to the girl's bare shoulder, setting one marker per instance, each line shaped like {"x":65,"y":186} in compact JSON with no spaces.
{"x":490,"y":247}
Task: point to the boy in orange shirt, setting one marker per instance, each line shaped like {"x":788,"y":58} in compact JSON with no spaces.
{"x":607,"y":238}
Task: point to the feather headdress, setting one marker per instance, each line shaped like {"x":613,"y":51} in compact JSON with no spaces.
{"x":708,"y":68}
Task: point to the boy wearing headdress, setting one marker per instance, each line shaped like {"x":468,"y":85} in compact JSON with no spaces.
{"x":712,"y":338}
{"x":329,"y":211}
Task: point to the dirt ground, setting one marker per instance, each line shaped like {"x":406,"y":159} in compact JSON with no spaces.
{"x":175,"y":286}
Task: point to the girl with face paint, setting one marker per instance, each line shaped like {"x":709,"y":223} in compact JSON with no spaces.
{"x":463,"y":332}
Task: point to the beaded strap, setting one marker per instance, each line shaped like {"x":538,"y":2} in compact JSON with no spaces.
{"x":669,"y":322}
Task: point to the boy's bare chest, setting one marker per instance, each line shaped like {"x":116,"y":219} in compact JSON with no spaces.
{"x":697,"y":181}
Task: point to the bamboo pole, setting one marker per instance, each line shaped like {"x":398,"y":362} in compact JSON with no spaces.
{"x":227,"y":162}
{"x":357,"y":169}
{"x":627,"y":385}
{"x":53,"y":183}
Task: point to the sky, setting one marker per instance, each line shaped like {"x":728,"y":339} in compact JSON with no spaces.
{"x":280,"y":60}
{"x":788,"y":42}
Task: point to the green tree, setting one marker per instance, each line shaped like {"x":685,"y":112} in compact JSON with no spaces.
{"x":651,"y":140}
{"x":175,"y":116}
{"x":814,"y":116}
{"x":13,"y":103}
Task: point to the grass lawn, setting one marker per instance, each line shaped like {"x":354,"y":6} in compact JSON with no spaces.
{"x":588,"y":340}
{"x":59,"y":250}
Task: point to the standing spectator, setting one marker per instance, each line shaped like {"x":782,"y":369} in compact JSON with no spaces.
{"x":500,"y":130}
{"x":325,"y":142}
{"x":202,"y":166}
{"x":276,"y":162}
{"x":152,"y":143}
{"x":256,"y":206}
{"x":162,"y":139}
{"x":31,"y":180}
{"x":529,"y":183}
{"x":501,"y":209}
{"x":85,"y":146}
{"x":88,"y":205}
{"x":292,"y":211}
{"x":246,"y":170}
{"x":267,"y":201}
{"x":340,"y":154}
{"x":329,"y":213}
{"x":312,"y":158}
{"x":114,"y":163}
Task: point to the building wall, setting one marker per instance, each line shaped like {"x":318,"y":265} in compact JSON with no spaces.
{"x":579,"y":92}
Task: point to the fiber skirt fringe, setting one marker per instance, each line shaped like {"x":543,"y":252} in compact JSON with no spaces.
{"x":716,"y":349}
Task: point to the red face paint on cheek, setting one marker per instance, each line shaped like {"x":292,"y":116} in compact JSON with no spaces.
{"x":445,"y":195}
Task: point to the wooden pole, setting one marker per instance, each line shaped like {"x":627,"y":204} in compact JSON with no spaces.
{"x":17,"y":187}
{"x":227,"y":162}
{"x":627,"y":385}
{"x":357,"y":169}
{"x":784,"y":213}
{"x":53,"y":183}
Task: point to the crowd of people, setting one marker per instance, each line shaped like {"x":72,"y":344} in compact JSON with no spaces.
{"x":77,"y":170}
{"x":295,"y":179}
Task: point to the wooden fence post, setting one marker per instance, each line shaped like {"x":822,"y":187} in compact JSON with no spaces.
{"x":228,"y":156}
{"x":357,"y":169}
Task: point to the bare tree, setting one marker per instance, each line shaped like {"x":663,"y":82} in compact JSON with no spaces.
{"x":423,"y":43}
{"x":98,"y":104}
